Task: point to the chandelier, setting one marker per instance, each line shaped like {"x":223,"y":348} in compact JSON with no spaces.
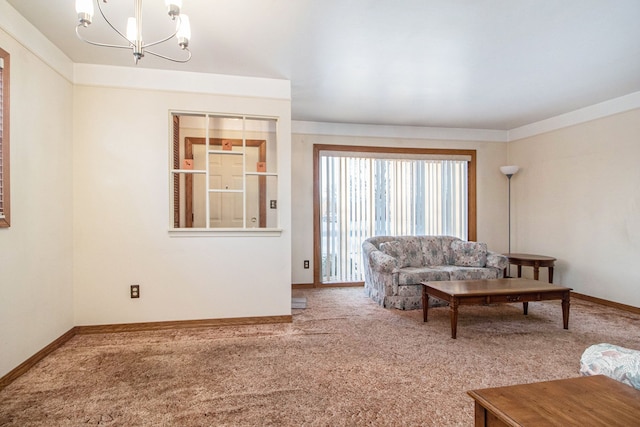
{"x":133,"y":36}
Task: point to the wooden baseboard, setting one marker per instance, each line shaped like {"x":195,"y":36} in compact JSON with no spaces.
{"x":605,"y":302}
{"x":181,"y":324}
{"x":302,"y":286}
{"x":326,"y":285}
{"x":30,"y":362}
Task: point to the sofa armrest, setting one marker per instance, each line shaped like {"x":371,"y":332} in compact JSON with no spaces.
{"x":382,"y":262}
{"x":497,"y":260}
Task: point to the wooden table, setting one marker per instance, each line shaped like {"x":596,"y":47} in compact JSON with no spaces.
{"x":535,"y":261}
{"x":583,"y":401}
{"x":474,"y":292}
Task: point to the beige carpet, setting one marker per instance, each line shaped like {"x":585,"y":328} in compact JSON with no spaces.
{"x":343,"y":361}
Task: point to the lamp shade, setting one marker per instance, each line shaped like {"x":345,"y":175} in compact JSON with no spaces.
{"x":509,"y":170}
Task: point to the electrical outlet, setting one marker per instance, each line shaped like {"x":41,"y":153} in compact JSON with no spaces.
{"x":273,"y":204}
{"x":306,"y":263}
{"x":135,"y":291}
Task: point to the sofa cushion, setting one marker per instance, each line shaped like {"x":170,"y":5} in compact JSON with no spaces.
{"x":391,"y":248}
{"x":411,"y":255}
{"x":469,"y":254}
{"x":432,"y":251}
{"x":469,"y":273}
{"x":407,"y":251}
{"x":416,"y":275}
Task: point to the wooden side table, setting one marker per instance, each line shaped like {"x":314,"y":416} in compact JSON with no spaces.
{"x":535,"y":261}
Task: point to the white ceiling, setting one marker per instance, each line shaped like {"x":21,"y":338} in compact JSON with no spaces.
{"x":483,"y":64}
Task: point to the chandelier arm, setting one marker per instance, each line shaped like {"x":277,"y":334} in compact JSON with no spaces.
{"x":182,"y":61}
{"x":146,"y":45}
{"x":97,"y":43}
{"x":167,"y":38}
{"x":111,"y":25}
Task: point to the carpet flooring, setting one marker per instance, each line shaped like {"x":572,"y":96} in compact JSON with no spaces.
{"x":344,"y":361}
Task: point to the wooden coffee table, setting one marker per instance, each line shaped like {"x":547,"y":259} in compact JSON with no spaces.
{"x":475,"y":292}
{"x":583,"y":401}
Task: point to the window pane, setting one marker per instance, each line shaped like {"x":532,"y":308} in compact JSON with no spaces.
{"x":261,"y":134}
{"x":226,"y":171}
{"x":221,"y":127}
{"x":226,"y":210}
{"x":262,"y":201}
{"x":191,"y":203}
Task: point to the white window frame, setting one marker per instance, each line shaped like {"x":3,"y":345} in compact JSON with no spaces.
{"x":246,"y":229}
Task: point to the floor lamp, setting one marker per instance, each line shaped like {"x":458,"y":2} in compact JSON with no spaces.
{"x":509,"y":171}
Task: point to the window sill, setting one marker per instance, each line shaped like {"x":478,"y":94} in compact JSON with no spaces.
{"x":225,"y":232}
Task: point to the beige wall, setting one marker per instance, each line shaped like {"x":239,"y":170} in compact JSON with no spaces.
{"x":90,"y":200}
{"x":36,"y":251}
{"x":121,"y":218}
{"x":491,"y":190}
{"x":577,"y":198}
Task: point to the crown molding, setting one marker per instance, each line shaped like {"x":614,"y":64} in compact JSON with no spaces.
{"x":408,"y":132}
{"x":23,"y":32}
{"x":583,"y":115}
{"x":180,"y":81}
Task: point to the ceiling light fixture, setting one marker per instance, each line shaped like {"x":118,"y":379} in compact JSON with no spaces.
{"x":133,"y":35}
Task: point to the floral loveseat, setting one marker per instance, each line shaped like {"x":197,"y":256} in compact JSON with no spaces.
{"x":394,"y":266}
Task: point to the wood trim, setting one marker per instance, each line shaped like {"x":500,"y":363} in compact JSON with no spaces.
{"x":182,"y":324}
{"x":261,"y":144}
{"x":472,"y":231}
{"x":472,"y":212}
{"x":342,"y":285}
{"x":176,"y":177}
{"x":619,"y":306}
{"x":317,"y":257}
{"x":188,"y":186}
{"x":326,"y":285}
{"x":6,"y":107}
{"x":30,"y":362}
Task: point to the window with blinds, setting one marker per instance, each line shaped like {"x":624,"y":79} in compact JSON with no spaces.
{"x":364,"y":194}
{"x":4,"y":138}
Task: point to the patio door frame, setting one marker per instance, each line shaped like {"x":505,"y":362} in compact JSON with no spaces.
{"x":317,"y":148}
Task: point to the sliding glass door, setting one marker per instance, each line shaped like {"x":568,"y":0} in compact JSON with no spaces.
{"x":364,"y":194}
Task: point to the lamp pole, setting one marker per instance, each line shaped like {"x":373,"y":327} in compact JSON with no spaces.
{"x":509,"y":178}
{"x":509,"y":171}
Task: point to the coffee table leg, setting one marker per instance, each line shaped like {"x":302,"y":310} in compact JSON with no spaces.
{"x":565,"y":310}
{"x":425,"y":303}
{"x":453,"y":314}
{"x":525,"y":308}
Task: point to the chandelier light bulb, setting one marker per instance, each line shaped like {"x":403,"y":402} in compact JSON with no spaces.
{"x":132,"y":29}
{"x":184,"y":31}
{"x":84,"y":8}
{"x":173,"y":7}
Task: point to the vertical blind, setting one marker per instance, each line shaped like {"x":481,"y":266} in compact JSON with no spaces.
{"x":364,"y":196}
